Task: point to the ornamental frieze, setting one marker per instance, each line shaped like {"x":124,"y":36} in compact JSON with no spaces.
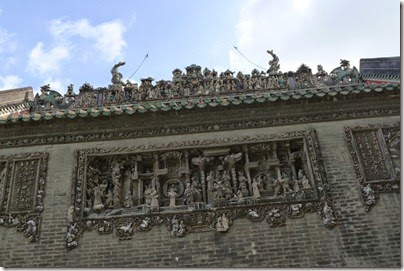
{"x":22,"y":188}
{"x":68,"y":135}
{"x":198,"y":185}
{"x":375,"y":152}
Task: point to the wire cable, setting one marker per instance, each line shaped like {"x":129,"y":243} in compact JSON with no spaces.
{"x":144,"y":59}
{"x":247,"y":58}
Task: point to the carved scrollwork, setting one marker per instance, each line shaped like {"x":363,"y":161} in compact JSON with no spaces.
{"x":327,"y":213}
{"x":375,"y":153}
{"x":276,"y":217}
{"x":295,"y":210}
{"x":22,"y":189}
{"x":199,"y":185}
{"x":72,"y":235}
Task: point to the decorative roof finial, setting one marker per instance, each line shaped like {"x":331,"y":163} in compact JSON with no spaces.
{"x":116,"y":75}
{"x":273,"y":64}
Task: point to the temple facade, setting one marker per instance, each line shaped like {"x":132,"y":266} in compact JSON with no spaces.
{"x":269,"y":169}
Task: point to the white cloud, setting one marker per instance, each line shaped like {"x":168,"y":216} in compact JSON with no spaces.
{"x":56,"y":84}
{"x":107,"y":37}
{"x":132,"y":20}
{"x":75,"y":40}
{"x":10,"y":82}
{"x":265,"y":25}
{"x":8,"y":43}
{"x":313,"y":32}
{"x":301,"y":5}
{"x":44,"y":62}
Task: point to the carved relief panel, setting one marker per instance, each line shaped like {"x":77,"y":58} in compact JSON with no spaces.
{"x":198,"y":185}
{"x":22,"y":188}
{"x":375,"y":152}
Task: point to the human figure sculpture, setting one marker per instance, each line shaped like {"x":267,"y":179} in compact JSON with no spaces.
{"x":295,"y":185}
{"x":255,"y":189}
{"x":210,"y":179}
{"x":243,"y":192}
{"x":241,"y":177}
{"x":154,"y":200}
{"x":226,"y":178}
{"x":303,"y":179}
{"x":128,"y":200}
{"x":172,"y":195}
{"x":109,"y":202}
{"x":97,"y":204}
{"x":284,"y":181}
{"x":147,"y":194}
{"x":188,"y":194}
{"x":195,"y":189}
{"x":277,"y":186}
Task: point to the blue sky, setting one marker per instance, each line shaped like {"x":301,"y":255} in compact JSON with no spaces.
{"x":63,"y":42}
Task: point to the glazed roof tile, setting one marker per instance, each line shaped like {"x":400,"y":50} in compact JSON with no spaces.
{"x":198,"y":102}
{"x":381,"y":77}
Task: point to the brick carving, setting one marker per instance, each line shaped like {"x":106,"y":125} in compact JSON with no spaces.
{"x":198,"y":185}
{"x":129,"y":131}
{"x":375,"y":152}
{"x":22,"y":188}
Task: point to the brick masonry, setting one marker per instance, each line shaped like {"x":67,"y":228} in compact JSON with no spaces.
{"x":360,"y":239}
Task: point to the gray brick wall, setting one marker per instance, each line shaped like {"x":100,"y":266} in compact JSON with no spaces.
{"x":361,"y":239}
